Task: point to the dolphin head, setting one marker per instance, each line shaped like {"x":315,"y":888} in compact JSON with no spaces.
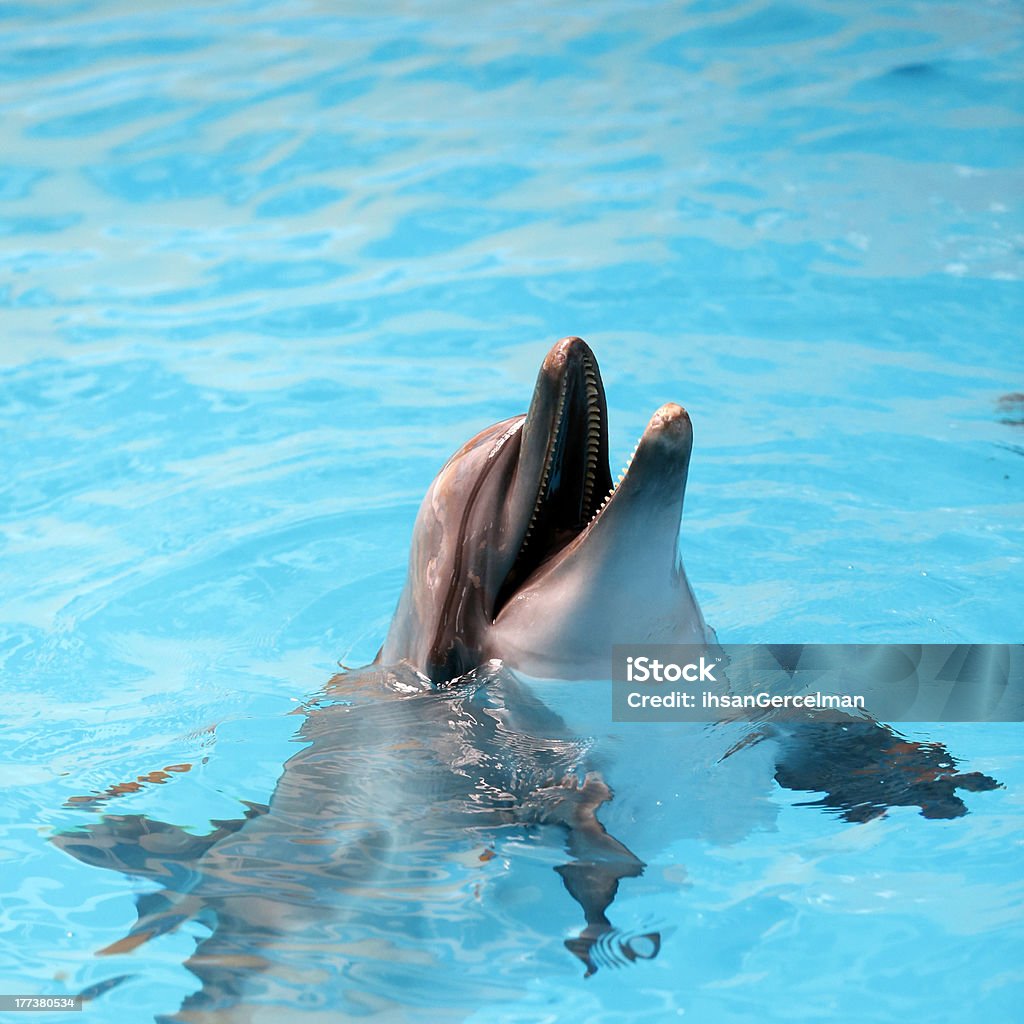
{"x":524,"y":551}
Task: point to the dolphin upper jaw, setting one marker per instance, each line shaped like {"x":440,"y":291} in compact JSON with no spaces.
{"x":562,"y":469}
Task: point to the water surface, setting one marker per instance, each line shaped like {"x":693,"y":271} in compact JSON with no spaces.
{"x":264,"y":266}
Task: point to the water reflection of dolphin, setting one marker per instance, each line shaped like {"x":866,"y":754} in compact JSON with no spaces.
{"x":358,"y":861}
{"x":351,"y":889}
{"x":351,"y":872}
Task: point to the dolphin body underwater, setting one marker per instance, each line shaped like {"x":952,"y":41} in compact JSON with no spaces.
{"x":522,"y":554}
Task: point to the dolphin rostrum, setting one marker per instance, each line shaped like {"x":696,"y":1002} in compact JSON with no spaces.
{"x":523,"y":551}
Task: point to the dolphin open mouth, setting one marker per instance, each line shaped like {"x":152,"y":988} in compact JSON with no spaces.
{"x":522,"y":527}
{"x":563,"y":461}
{"x":563,"y":487}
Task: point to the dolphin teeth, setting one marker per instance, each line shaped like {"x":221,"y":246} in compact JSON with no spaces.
{"x":593,"y":433}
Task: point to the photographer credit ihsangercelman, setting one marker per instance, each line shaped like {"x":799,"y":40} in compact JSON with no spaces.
{"x":895,"y":682}
{"x":643,"y":670}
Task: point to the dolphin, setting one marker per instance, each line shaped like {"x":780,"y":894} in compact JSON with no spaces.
{"x":524,"y":551}
{"x":380,"y":874}
{"x":353,"y":880}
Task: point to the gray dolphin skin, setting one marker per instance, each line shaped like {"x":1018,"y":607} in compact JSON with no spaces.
{"x":524,"y":552}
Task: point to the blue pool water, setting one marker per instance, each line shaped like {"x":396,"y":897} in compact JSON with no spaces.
{"x":265,"y":265}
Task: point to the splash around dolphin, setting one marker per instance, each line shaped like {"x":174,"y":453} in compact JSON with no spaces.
{"x":523,"y":551}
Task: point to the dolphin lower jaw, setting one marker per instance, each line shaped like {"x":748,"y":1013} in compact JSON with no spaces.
{"x":620,"y":581}
{"x":638,"y":521}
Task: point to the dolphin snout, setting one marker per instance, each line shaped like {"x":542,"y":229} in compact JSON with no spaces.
{"x":566,"y":351}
